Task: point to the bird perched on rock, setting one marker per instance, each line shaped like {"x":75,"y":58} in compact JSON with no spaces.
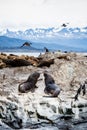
{"x":46,"y":50}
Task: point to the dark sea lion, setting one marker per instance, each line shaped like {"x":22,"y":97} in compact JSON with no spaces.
{"x":51,"y":87}
{"x":29,"y":84}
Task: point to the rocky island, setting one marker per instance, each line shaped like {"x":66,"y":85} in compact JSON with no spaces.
{"x":37,"y":109}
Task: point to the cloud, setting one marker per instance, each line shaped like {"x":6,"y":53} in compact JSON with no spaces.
{"x":39,"y":13}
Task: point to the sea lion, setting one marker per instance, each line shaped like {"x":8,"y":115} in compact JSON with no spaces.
{"x":29,"y":84}
{"x":51,"y":87}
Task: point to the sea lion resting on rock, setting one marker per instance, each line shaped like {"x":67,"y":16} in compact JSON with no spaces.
{"x":51,"y":87}
{"x":29,"y":84}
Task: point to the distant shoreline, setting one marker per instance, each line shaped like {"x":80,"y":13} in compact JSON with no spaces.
{"x":36,"y":54}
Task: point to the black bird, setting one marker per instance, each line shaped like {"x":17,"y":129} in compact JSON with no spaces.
{"x":46,"y":50}
{"x":64,"y":25}
{"x":26,"y":44}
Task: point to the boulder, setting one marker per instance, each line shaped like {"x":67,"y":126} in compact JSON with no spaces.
{"x":37,"y":109}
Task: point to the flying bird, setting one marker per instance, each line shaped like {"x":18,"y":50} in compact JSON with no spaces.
{"x":65,"y":25}
{"x":26,"y":44}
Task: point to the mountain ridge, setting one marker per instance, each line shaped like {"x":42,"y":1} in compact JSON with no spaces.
{"x":7,"y":42}
{"x":52,"y":32}
{"x":53,"y":38}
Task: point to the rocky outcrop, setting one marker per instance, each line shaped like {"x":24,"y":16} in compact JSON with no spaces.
{"x":8,"y":114}
{"x":38,"y":110}
{"x":17,"y":61}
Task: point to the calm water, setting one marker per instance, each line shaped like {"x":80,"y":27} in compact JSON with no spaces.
{"x":23,"y":51}
{"x":33,"y":51}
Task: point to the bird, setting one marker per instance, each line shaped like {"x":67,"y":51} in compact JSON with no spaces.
{"x":81,"y":88}
{"x":64,"y":25}
{"x":26,"y":44}
{"x":46,"y":50}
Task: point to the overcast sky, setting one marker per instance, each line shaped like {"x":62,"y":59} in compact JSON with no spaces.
{"x":22,"y":14}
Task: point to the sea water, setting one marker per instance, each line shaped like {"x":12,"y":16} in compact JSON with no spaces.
{"x":30,"y":51}
{"x":35,"y":54}
{"x":22,"y":51}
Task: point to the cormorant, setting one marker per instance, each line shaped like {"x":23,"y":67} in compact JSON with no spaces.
{"x":46,"y":50}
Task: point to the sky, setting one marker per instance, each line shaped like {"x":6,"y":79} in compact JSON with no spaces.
{"x":25,"y":14}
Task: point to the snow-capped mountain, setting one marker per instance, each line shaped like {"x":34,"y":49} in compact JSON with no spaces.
{"x":38,"y":34}
{"x":54,"y":37}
